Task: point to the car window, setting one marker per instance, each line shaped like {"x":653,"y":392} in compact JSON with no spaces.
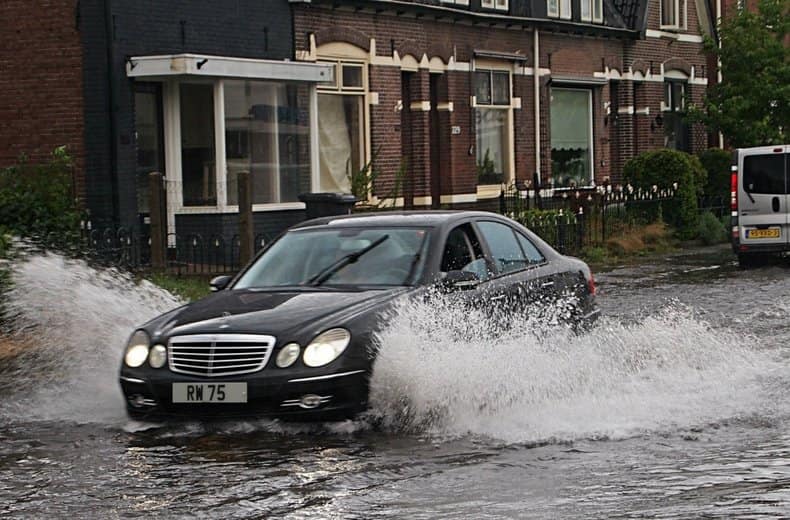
{"x":302,"y":255}
{"x":504,"y":246}
{"x":532,"y":253}
{"x":462,"y":252}
{"x":764,"y":174}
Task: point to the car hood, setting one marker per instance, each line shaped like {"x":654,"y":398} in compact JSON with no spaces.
{"x":293,"y":313}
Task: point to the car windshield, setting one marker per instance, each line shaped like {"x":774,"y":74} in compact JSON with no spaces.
{"x":340,"y":256}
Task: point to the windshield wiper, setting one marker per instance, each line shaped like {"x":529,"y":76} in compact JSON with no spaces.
{"x":327,"y":272}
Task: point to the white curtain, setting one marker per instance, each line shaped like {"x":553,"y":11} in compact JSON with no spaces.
{"x":335,"y":143}
{"x":570,"y":119}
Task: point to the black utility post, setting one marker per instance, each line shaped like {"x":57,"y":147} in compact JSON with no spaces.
{"x":158,"y":219}
{"x":246,"y":227}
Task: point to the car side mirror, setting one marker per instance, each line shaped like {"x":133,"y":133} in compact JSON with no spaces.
{"x":460,"y":280}
{"x":220,"y":282}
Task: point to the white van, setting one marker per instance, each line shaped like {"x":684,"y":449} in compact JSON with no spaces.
{"x":760,"y":191}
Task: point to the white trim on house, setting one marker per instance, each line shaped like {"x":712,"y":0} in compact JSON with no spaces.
{"x":681,"y":37}
{"x":205,"y":65}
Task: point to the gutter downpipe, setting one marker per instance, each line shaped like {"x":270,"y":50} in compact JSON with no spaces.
{"x":536,"y":88}
{"x":111,"y":101}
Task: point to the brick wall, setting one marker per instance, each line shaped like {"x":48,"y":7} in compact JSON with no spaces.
{"x":40,"y":82}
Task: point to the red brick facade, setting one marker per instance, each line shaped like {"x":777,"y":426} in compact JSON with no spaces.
{"x":635,"y":67}
{"x":41,"y":105}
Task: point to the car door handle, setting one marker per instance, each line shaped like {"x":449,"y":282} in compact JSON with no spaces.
{"x":775,"y":204}
{"x":547,"y":284}
{"x":497,"y":298}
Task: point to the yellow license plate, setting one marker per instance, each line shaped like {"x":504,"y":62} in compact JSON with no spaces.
{"x":762,"y":233}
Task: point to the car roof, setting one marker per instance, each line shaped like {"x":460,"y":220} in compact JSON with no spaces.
{"x":427,"y":218}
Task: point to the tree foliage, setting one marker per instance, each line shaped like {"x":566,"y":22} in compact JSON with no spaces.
{"x":751,"y":106}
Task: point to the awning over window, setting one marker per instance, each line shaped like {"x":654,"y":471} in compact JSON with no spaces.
{"x":223,"y":66}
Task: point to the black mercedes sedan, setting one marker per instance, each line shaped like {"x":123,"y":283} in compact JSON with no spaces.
{"x":293,"y":334}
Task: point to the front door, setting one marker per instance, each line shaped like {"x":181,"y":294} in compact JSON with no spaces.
{"x":149,"y":140}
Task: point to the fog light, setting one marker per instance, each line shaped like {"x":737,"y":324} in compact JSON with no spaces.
{"x":158,"y":356}
{"x":288,"y":355}
{"x":137,"y":401}
{"x":310,"y":401}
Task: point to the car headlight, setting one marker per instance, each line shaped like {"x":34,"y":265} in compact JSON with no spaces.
{"x":137,"y":349}
{"x":158,"y":356}
{"x":326,"y":347}
{"x":288,"y":354}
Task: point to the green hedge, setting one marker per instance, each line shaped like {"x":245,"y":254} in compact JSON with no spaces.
{"x":663,"y":168}
{"x":37,"y":200}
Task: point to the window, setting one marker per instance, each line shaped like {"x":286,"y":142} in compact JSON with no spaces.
{"x":504,"y":246}
{"x":266,"y":135}
{"x":676,"y":131}
{"x":571,"y":137}
{"x":198,"y":166}
{"x":500,"y":5}
{"x":462,"y":252}
{"x":492,"y":120}
{"x":561,"y":8}
{"x":673,"y":14}
{"x":592,"y":10}
{"x":765,"y":174}
{"x":531,"y":252}
{"x":341,"y":127}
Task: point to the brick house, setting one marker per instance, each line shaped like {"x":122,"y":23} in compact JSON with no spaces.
{"x":301,"y":93}
{"x":447,"y":89}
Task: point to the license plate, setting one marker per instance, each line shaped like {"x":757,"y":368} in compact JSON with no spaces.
{"x":763,"y":233}
{"x":209,"y":392}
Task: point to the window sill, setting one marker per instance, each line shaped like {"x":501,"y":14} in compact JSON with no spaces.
{"x":256,"y":208}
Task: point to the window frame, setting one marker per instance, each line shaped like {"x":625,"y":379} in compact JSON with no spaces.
{"x":507,"y":174}
{"x":171,"y":101}
{"x":680,"y":9}
{"x":595,"y":11}
{"x":563,"y":11}
{"x":338,"y":89}
{"x":456,"y":2}
{"x":591,"y":127}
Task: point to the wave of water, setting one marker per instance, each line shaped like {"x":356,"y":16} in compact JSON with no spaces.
{"x":441,"y":370}
{"x":668,"y":371}
{"x":76,"y":321}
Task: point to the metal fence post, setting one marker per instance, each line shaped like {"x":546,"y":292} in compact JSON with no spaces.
{"x":246,"y":224}
{"x":158,"y":219}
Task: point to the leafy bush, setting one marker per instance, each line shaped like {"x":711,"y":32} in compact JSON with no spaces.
{"x":717,"y":164}
{"x":710,"y":230}
{"x":37,"y":202}
{"x":663,"y":168}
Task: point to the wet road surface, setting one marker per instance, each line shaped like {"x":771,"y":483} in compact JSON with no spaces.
{"x":676,"y":406}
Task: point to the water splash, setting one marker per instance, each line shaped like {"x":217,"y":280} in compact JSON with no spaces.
{"x":76,"y":320}
{"x":667,"y":371}
{"x":441,"y":369}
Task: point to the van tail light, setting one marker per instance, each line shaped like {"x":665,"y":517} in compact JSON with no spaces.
{"x":734,"y":189}
{"x":591,"y":284}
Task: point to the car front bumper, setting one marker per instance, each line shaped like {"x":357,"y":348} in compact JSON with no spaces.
{"x":342,"y":392}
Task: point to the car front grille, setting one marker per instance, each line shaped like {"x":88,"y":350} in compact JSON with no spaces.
{"x":217,"y":355}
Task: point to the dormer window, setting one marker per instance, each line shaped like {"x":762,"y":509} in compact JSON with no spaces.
{"x":499,"y":5}
{"x":592,"y":11}
{"x":559,"y":9}
{"x":673,"y":14}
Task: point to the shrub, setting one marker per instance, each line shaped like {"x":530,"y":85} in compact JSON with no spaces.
{"x":710,"y":230}
{"x":717,"y":164}
{"x":37,"y":202}
{"x":663,"y":168}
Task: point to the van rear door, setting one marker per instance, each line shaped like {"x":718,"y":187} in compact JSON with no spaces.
{"x":763,"y":201}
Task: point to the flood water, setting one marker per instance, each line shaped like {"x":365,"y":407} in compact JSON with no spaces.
{"x":676,"y":406}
